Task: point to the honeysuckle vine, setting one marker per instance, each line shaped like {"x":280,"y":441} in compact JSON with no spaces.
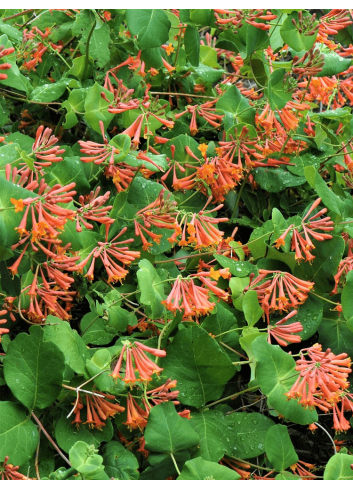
{"x":176,"y":244}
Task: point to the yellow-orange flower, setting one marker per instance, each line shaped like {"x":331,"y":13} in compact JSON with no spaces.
{"x":169,"y":49}
{"x":203,"y":148}
{"x":18,"y":204}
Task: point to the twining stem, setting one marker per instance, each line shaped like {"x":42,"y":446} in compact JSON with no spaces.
{"x":238,"y":197}
{"x":50,"y":439}
{"x":323,"y":298}
{"x":183,"y":94}
{"x":68,"y":473}
{"x":210,"y":252}
{"x":233,"y":396}
{"x":87,"y":49}
{"x":328,"y":434}
{"x":249,"y":463}
{"x":36,"y":461}
{"x":82,"y":390}
{"x":234,"y":351}
{"x":175,"y":464}
{"x":24,"y":12}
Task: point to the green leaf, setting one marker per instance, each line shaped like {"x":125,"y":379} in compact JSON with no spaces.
{"x":275,"y":372}
{"x":347,"y":296}
{"x":69,"y":341}
{"x":275,"y":91}
{"x":246,"y":342}
{"x":201,"y":16}
{"x":119,"y":462}
{"x":287,"y":476}
{"x":212,"y":428}
{"x":96,"y":108}
{"x":292,"y":37}
{"x":247,"y":434}
{"x":77,"y":70}
{"x":71,"y":169}
{"x":192,"y":45}
{"x":74,"y":104}
{"x":200,"y":469}
{"x":9,"y":219}
{"x":338,"y":468}
{"x":255,"y":39}
{"x":143,"y":192}
{"x":310,"y":316}
{"x":329,"y":199}
{"x":221,"y":325}
{"x":236,"y":268}
{"x":101,"y":362}
{"x":328,"y":255}
{"x":167,"y":432}
{"x":50,"y":91}
{"x":66,"y":434}
{"x":208,"y":56}
{"x":18,"y":435}
{"x":237,"y":106}
{"x":199,"y":364}
{"x":152,"y":290}
{"x":207,"y":73}
{"x":251,"y":308}
{"x":237,"y":286}
{"x":14,"y":78}
{"x":11,"y":32}
{"x":99,"y":45}
{"x":279,"y":448}
{"x":276,"y":179}
{"x":334,"y":333}
{"x":151,"y":26}
{"x":122,"y":142}
{"x":85,"y":460}
{"x":95,"y":330}
{"x":34,"y":369}
{"x":334,"y":63}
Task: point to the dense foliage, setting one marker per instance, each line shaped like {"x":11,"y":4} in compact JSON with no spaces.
{"x":176,"y":244}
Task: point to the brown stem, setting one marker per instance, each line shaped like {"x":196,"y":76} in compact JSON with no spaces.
{"x":50,"y":439}
{"x":191,"y":256}
{"x":37,"y":456}
{"x":235,"y":351}
{"x":24,"y":12}
{"x":182,"y":94}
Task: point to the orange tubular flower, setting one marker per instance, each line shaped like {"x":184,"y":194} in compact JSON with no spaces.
{"x":301,"y":469}
{"x":9,"y":472}
{"x":135,"y":352}
{"x":123,"y":100}
{"x":200,"y":228}
{"x":51,"y":217}
{"x":5,"y":66}
{"x":239,"y":467}
{"x":98,"y":409}
{"x":92,"y":210}
{"x":3,"y":321}
{"x":301,"y":241}
{"x":283,"y":333}
{"x":345,"y":266}
{"x":136,"y":416}
{"x":160,"y":213}
{"x":193,"y":299}
{"x":280,"y":293}
{"x":109,"y":253}
{"x":207,"y":111}
{"x":323,"y":373}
